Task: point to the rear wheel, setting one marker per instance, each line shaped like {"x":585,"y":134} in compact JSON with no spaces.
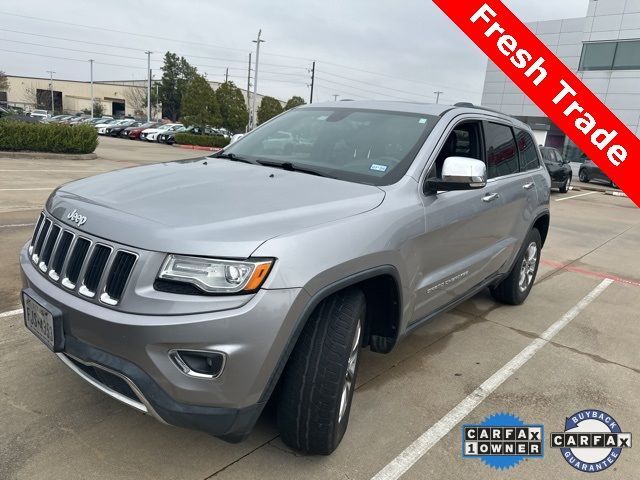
{"x":565,"y":186}
{"x":318,"y":383}
{"x":515,"y":289}
{"x":583,"y":176}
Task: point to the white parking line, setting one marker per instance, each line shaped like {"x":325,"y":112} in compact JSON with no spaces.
{"x":414,"y":452}
{"x":575,"y":196}
{"x":23,"y":189}
{"x":11,"y":313}
{"x":17,"y":225}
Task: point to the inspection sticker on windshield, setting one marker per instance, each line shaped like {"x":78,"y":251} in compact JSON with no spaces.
{"x":378,"y":168}
{"x":422,"y":120}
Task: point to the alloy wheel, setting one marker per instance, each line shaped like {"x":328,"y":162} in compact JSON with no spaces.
{"x":349,"y":383}
{"x":528,"y":267}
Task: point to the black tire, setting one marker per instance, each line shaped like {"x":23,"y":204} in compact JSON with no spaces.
{"x":313,"y":383}
{"x":583,"y":176}
{"x":565,"y":186}
{"x":510,"y":290}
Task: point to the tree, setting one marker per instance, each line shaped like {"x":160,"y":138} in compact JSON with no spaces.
{"x":136,"y":97}
{"x":232,"y":107}
{"x":4,"y":82}
{"x":199,"y":104}
{"x":30,"y":95}
{"x":269,"y":108}
{"x":294,"y":102}
{"x":98,"y":108}
{"x":177,"y":73}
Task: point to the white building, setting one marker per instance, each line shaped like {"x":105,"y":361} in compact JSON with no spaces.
{"x":603,"y":49}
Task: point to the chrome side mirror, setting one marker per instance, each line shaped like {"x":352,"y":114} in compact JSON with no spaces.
{"x":459,"y":173}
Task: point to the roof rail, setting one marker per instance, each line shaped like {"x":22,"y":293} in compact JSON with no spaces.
{"x":479,"y":107}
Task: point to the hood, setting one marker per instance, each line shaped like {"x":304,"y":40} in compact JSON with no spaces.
{"x":208,"y":207}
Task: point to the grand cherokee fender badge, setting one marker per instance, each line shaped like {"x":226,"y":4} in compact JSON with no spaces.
{"x":77,"y":218}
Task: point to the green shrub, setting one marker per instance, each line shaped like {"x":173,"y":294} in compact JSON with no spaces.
{"x":47,"y":137}
{"x":202,"y":140}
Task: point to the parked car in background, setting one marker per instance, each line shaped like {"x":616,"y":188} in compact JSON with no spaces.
{"x":102,"y":127}
{"x":558,"y":168}
{"x":57,"y":118}
{"x":589,"y":171}
{"x":115,"y":129}
{"x":151,"y":134}
{"x":40,"y":114}
{"x":236,"y":137}
{"x":133,"y":133}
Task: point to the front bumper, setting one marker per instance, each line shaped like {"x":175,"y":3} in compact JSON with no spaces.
{"x":135,"y":348}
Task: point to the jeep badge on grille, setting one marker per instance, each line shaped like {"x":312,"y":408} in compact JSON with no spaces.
{"x":77,"y":218}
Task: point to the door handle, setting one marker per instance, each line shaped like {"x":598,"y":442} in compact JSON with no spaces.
{"x":528,"y":186}
{"x":490,"y":197}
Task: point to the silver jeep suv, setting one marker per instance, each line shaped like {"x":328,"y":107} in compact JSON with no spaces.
{"x":197,"y":290}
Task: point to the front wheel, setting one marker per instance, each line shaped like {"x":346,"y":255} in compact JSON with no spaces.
{"x":515,"y":289}
{"x":319,"y":380}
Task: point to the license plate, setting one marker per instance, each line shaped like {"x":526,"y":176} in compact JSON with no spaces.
{"x":43,"y":323}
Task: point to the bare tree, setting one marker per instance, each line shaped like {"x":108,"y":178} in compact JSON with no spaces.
{"x":4,"y":82}
{"x":30,"y":95}
{"x":136,"y":97}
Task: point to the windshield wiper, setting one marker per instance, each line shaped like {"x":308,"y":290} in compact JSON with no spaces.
{"x":294,"y":168}
{"x":233,"y":157}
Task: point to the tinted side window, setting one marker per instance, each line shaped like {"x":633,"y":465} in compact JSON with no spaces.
{"x":502,"y":155}
{"x":527,"y":149}
{"x":558,"y":156}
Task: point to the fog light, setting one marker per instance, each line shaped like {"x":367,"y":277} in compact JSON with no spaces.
{"x":198,"y":363}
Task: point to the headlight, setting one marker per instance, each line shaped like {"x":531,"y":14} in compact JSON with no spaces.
{"x":216,"y":276}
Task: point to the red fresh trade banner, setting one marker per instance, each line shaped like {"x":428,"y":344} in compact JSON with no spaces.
{"x":552,"y":87}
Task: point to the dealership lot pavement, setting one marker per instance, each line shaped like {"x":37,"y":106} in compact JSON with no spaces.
{"x":54,"y":426}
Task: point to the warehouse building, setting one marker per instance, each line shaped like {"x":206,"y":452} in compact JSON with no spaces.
{"x":603,"y":49}
{"x":119,"y":98}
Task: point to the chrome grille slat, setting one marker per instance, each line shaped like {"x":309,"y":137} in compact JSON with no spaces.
{"x":95,"y":269}
{"x":77,"y":260}
{"x":85,"y":265}
{"x":52,"y":239}
{"x":60,"y":255}
{"x":42,"y":235}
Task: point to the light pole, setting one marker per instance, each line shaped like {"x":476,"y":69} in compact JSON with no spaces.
{"x":148,"y":85}
{"x":50,"y":72}
{"x":255,"y":79}
{"x":157,"y":99}
{"x":313,"y":80}
{"x":335,"y":97}
{"x":438,"y":93}
{"x":91,"y":68}
{"x":249,"y":94}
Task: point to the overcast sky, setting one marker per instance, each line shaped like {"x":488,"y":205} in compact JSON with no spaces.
{"x":363,"y":48}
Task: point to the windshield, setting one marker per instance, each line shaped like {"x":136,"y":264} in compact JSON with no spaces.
{"x":366,"y":146}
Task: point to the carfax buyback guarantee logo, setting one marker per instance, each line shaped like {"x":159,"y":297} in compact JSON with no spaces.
{"x":502,"y":441}
{"x":592,"y":440}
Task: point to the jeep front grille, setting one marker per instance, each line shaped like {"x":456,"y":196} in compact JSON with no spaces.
{"x":83,"y":265}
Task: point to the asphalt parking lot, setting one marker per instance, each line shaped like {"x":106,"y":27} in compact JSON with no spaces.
{"x":56,"y":426}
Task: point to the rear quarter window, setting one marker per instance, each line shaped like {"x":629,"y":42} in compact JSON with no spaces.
{"x":527,"y":150}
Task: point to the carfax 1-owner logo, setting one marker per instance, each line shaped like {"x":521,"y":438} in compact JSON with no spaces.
{"x":502,"y":441}
{"x":592,"y":440}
